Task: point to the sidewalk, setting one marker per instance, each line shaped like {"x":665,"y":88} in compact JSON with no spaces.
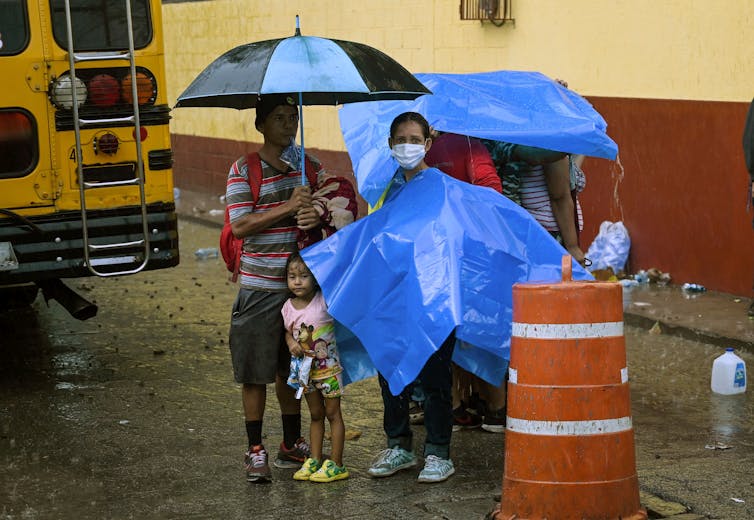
{"x":709,"y":317}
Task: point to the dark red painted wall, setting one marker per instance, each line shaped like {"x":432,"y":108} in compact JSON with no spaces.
{"x":201,"y":163}
{"x":681,"y":192}
{"x":680,"y":186}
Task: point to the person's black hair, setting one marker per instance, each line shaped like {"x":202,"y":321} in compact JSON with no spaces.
{"x":296,"y":257}
{"x":293,"y":257}
{"x":410,"y":116}
{"x":267,"y":103}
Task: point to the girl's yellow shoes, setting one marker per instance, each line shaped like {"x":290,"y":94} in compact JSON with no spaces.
{"x":309,"y":467}
{"x":328,"y":471}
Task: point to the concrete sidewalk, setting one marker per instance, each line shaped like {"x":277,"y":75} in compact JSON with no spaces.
{"x":710,"y":317}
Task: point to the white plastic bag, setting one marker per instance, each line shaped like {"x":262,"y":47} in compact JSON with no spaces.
{"x":298,"y":376}
{"x":610,"y":247}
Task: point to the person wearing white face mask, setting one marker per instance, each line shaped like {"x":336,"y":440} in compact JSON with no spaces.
{"x":409,"y":141}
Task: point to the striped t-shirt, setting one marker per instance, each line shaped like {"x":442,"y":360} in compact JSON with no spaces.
{"x":265,"y":253}
{"x":526,"y":184}
{"x":535,"y":197}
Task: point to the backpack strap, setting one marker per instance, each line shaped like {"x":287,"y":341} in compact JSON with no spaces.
{"x":254,"y":175}
{"x":254,"y":178}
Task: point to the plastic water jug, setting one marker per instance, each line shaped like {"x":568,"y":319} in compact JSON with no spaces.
{"x":728,"y":374}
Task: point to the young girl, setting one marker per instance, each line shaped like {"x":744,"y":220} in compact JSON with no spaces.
{"x":310,"y":332}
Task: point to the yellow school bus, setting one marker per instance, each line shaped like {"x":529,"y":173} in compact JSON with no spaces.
{"x":86,"y":184}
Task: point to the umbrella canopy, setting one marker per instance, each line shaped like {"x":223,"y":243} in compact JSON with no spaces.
{"x":441,"y":255}
{"x":323,"y":71}
{"x":525,"y":108}
{"x":320,"y":70}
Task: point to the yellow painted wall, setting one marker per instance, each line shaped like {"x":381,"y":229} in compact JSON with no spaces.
{"x":670,"y":49}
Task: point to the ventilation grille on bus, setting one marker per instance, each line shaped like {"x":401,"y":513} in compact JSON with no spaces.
{"x":161,"y":159}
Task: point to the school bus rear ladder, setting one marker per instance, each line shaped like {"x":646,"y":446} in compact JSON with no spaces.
{"x":138,"y":180}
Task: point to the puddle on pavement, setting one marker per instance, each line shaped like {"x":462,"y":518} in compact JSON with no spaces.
{"x":675,"y":377}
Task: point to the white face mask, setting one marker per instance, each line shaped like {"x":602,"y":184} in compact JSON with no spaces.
{"x":408,"y":155}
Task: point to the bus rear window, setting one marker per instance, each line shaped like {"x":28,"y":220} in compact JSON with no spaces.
{"x":14,"y":31}
{"x":18,"y":143}
{"x":101,"y":25}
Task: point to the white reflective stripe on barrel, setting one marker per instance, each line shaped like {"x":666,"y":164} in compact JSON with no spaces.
{"x":567,"y":330}
{"x":513,"y":377}
{"x":568,"y":427}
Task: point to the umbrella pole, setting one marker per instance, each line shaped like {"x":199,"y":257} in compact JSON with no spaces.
{"x":301,"y":131}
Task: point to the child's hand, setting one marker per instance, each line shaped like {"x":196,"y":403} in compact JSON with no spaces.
{"x":293,"y":346}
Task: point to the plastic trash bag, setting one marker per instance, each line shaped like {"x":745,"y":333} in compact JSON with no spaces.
{"x":298,"y":376}
{"x":610,"y":247}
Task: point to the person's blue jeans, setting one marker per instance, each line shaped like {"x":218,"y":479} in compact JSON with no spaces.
{"x":436,"y":380}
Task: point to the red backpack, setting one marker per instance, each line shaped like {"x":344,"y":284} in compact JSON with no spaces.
{"x":232,"y":247}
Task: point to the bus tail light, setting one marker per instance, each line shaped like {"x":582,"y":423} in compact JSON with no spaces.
{"x":143,"y":134}
{"x":62,"y":93}
{"x":104,"y":90}
{"x":146,"y":89}
{"x":106,"y":143}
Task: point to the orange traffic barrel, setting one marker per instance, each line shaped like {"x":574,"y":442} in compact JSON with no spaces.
{"x":569,"y":442}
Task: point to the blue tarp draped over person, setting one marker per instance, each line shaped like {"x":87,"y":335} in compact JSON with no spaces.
{"x":526,"y":108}
{"x":441,"y":255}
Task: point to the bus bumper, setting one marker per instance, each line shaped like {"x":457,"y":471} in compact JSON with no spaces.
{"x":51,"y":246}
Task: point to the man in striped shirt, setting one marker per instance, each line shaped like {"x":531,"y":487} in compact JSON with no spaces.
{"x":268,"y":226}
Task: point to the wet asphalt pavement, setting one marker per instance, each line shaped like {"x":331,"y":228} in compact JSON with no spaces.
{"x":134,"y":414}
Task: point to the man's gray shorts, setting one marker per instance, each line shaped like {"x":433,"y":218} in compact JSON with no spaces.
{"x":257,"y":337}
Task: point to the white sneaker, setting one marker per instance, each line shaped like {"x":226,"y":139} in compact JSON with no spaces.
{"x":391,"y":461}
{"x":436,"y":469}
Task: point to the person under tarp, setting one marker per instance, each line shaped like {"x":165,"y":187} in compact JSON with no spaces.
{"x":437,"y":260}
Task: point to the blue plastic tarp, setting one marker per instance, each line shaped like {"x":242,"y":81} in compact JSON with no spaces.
{"x":440,"y":255}
{"x":526,"y":108}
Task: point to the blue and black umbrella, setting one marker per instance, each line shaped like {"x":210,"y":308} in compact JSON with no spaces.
{"x":321,"y":71}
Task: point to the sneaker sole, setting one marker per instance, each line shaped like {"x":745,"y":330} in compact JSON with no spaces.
{"x":258,"y":479}
{"x":459,"y":427}
{"x":393,"y":471}
{"x":301,"y":478}
{"x":331,"y":479}
{"x":432,"y":480}
{"x":287,"y":464}
{"x":494,"y":428}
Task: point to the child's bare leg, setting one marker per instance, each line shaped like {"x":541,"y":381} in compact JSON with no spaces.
{"x":461,"y":389}
{"x":317,"y":426}
{"x":337,"y":428}
{"x":464,"y":384}
{"x":495,"y":396}
{"x":455,"y":391}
